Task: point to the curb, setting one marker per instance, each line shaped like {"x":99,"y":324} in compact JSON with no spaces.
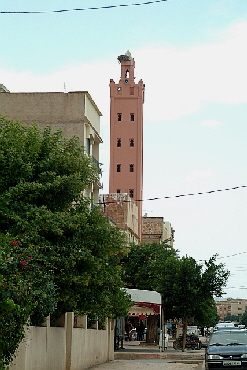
{"x":160,"y":355}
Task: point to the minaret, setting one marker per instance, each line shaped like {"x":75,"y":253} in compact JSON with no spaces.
{"x":126,"y":134}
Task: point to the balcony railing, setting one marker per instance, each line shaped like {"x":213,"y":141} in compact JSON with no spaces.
{"x":96,"y":162}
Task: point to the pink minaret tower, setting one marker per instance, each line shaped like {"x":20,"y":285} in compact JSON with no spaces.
{"x":126,"y":134}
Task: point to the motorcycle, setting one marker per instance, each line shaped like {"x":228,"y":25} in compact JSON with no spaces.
{"x":192,"y":342}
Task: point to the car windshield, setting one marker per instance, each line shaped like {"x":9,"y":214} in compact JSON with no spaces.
{"x":230,"y":338}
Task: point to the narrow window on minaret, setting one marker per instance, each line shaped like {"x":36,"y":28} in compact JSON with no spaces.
{"x":131,"y":90}
{"x":132,"y":143}
{"x":119,"y":116}
{"x":131,"y":193}
{"x":118,"y":142}
{"x":131,"y":168}
{"x":127,"y":73}
{"x":132,"y":116}
{"x":119,"y":90}
{"x":118,"y":167}
{"x":118,"y":191}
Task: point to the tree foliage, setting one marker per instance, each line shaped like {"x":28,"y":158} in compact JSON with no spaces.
{"x":56,"y":253}
{"x":143,"y":264}
{"x":230,"y":317}
{"x":187,"y":287}
{"x":243,"y":319}
{"x":185,"y":282}
{"x":207,"y":315}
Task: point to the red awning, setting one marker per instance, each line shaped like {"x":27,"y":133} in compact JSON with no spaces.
{"x":154,"y":306}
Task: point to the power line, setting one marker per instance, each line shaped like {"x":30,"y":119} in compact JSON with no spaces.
{"x":81,"y":9}
{"x":231,"y":255}
{"x":236,"y":287}
{"x":178,"y":196}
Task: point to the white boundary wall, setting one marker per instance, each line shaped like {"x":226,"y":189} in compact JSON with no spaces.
{"x":65,"y":348}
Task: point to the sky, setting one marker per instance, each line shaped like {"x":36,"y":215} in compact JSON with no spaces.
{"x":192,"y":58}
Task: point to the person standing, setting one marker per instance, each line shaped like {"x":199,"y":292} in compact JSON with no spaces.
{"x":127,"y":330}
{"x":141,"y":331}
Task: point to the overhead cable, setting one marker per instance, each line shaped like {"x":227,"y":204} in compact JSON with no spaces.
{"x":80,"y":9}
{"x":178,"y":196}
{"x":231,"y":255}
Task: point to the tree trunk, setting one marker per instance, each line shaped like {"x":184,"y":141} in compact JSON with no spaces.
{"x":152,"y":329}
{"x":185,"y":325}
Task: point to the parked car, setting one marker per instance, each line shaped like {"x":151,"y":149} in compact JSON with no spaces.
{"x":227,"y":348}
{"x":224,"y":325}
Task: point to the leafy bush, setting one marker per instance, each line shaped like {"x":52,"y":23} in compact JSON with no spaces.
{"x":56,"y":254}
{"x":26,"y":289}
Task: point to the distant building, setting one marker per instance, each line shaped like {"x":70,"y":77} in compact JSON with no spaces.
{"x":231,"y":306}
{"x":75,"y":113}
{"x":156,"y":230}
{"x":124,"y":212}
{"x":126,"y":135}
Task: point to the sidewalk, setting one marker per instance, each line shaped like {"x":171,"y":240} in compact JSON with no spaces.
{"x":145,"y":365}
{"x":136,"y":350}
{"x":139,"y":356}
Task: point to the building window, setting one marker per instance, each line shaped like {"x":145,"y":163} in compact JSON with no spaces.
{"x":118,"y":142}
{"x":131,"y":90}
{"x":118,"y":191}
{"x":132,"y":143}
{"x":229,"y":307}
{"x":118,"y":167}
{"x":239,"y":308}
{"x":87,"y":145}
{"x":127,"y":73}
{"x":131,"y":168}
{"x":119,"y":116}
{"x":119,"y":90}
{"x":132,"y":116}
{"x":131,"y":193}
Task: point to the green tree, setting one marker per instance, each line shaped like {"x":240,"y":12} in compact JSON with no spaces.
{"x":142,"y":269}
{"x":188,"y":287}
{"x":230,"y":317}
{"x":243,"y":319}
{"x":25,"y":289}
{"x":207,"y":314}
{"x":143,"y":264}
{"x":56,"y":253}
{"x":41,"y":174}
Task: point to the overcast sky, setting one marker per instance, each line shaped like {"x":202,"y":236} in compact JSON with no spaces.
{"x":192,"y":58}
